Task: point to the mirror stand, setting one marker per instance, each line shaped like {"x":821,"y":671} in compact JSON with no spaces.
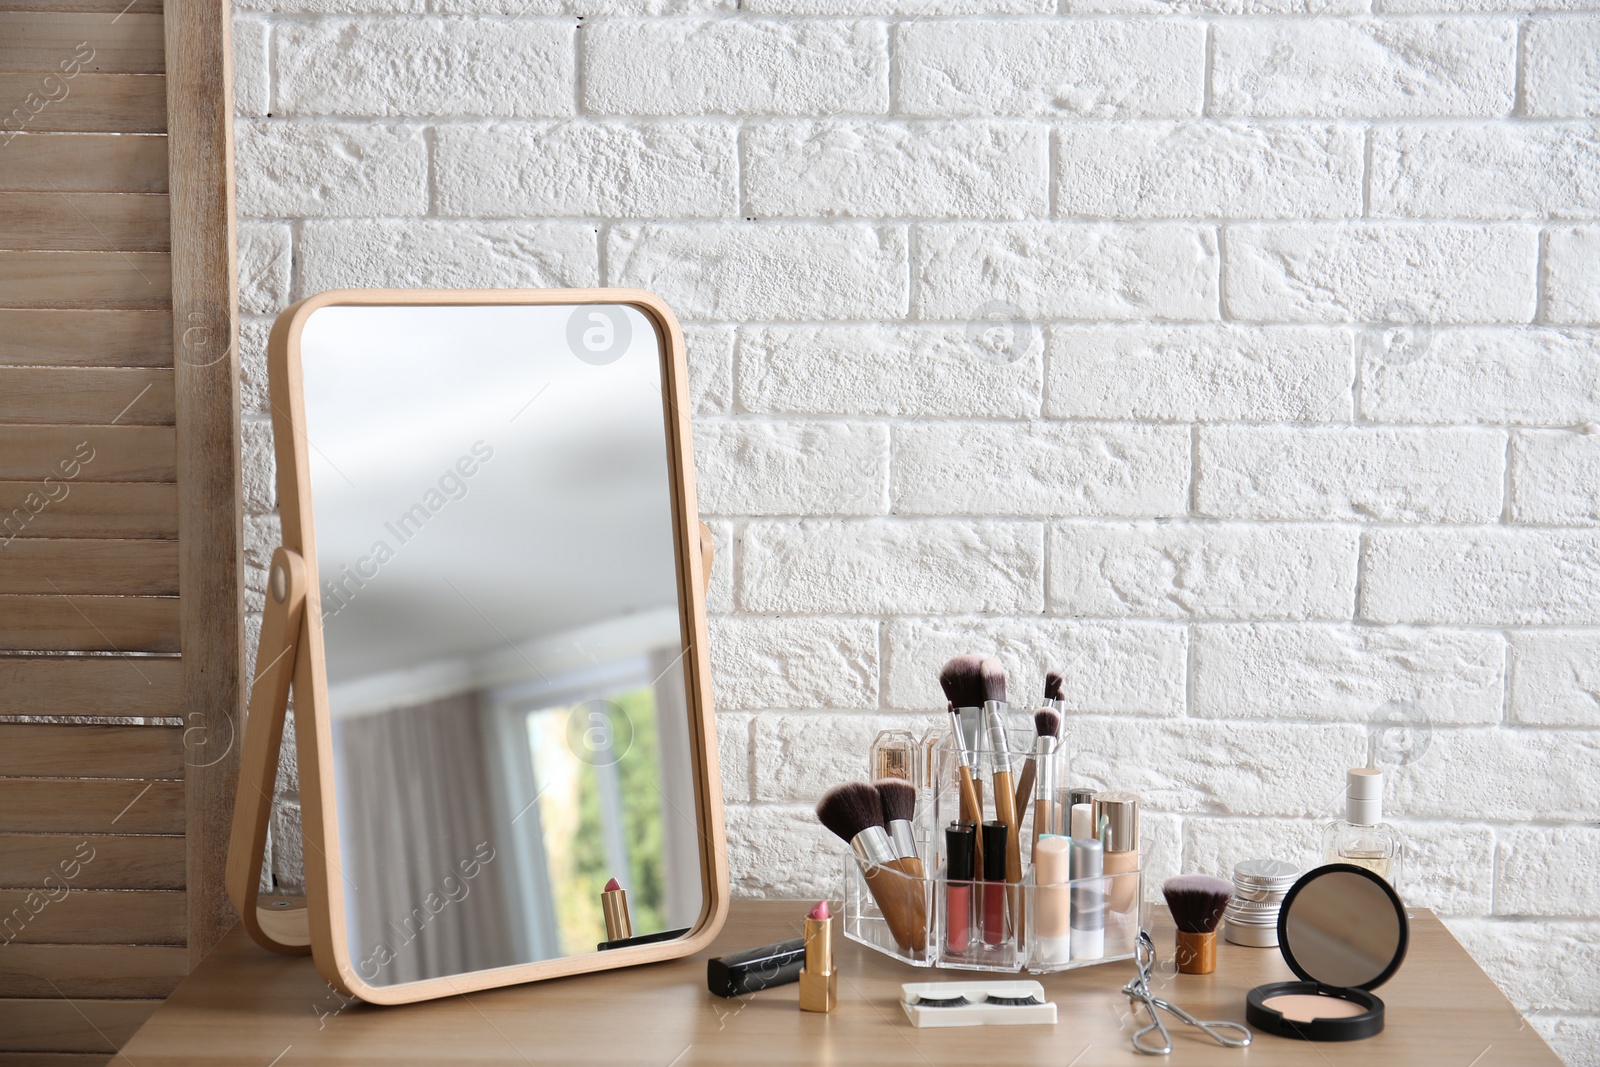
{"x":281,"y":924}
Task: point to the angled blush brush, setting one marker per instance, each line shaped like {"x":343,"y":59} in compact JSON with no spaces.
{"x":854,"y":812}
{"x":898,"y":801}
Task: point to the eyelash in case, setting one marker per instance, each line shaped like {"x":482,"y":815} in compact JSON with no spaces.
{"x":976,"y":1004}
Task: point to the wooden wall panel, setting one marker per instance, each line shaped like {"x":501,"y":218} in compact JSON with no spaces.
{"x":92,"y":917}
{"x":122,"y":43}
{"x":93,"y":568}
{"x":127,"y":222}
{"x":43,"y":750}
{"x":122,"y":396}
{"x":85,"y":162}
{"x":33,"y":861}
{"x":116,"y":257}
{"x":92,"y":509}
{"x":90,"y":971}
{"x":77,"y":805}
{"x":131,"y":281}
{"x":89,"y":685}
{"x":79,"y":455}
{"x":37,"y":338}
{"x":92,"y":103}
{"x":90,"y":624}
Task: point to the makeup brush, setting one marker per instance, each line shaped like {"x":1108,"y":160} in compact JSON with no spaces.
{"x":962,"y":682}
{"x":854,"y":813}
{"x":1005,"y":790}
{"x":1196,"y":902}
{"x":1046,"y":724}
{"x":1047,"y":814}
{"x":897,"y":799}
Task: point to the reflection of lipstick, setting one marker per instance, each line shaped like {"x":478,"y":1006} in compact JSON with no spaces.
{"x":819,"y":982}
{"x":614,"y":902}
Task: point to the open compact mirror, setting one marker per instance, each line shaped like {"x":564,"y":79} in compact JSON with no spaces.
{"x":1344,"y":931}
{"x":489,"y":606}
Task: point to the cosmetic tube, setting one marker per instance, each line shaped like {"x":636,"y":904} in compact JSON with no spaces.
{"x":1116,"y":824}
{"x":1052,"y":921}
{"x":961,"y":850}
{"x":996,"y":917}
{"x":756,"y":968}
{"x":819,"y":981}
{"x":1088,"y":899}
{"x":1082,"y":820}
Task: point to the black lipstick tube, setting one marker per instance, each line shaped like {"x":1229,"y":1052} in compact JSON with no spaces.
{"x":756,"y":968}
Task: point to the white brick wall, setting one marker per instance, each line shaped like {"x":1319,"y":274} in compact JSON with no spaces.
{"x":1300,"y":430}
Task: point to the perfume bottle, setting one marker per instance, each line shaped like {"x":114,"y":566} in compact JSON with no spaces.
{"x":1362,"y":837}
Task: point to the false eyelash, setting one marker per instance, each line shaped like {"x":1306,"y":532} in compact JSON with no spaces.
{"x":1019,"y":1001}
{"x":952,"y":1002}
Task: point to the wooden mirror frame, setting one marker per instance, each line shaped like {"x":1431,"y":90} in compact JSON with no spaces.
{"x":291,"y":654}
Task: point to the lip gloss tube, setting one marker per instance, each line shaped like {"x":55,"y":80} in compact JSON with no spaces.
{"x":960,"y":847}
{"x":996,"y":921}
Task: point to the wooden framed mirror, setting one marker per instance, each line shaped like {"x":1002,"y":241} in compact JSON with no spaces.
{"x":489,"y":606}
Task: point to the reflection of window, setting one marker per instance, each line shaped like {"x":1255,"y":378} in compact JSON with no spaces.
{"x":595,"y":768}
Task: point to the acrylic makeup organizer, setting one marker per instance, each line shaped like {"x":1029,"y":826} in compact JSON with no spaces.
{"x":931,"y":763}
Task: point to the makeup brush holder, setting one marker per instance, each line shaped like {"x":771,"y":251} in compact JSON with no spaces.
{"x":994,"y":926}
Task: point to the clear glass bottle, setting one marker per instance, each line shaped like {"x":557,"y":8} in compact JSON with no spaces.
{"x":1362,"y":837}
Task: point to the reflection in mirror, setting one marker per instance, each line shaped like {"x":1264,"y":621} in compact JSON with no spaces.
{"x":499,"y":601}
{"x":1343,"y":929}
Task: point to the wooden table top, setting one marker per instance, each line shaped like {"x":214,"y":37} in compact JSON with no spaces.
{"x":249,"y":1008}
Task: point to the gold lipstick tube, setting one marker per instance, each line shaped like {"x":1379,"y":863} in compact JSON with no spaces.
{"x":819,"y":982}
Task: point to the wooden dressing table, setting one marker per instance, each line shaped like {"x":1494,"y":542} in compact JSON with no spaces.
{"x":247,"y":1008}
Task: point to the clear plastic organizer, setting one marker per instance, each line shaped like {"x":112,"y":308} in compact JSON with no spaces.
{"x":993,"y":926}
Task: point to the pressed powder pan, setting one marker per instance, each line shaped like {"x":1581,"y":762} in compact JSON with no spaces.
{"x":1343,"y":930}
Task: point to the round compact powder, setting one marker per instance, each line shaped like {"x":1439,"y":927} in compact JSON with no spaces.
{"x":1309,"y":1007}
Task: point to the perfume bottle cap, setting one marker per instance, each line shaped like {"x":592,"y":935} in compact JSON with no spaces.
{"x":1363,"y":796}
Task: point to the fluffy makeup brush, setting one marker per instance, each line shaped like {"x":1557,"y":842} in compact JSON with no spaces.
{"x":1047,"y":730}
{"x":898,"y":800}
{"x":854,"y":812}
{"x":1196,"y":902}
{"x":962,"y":682}
{"x":1052,"y":687}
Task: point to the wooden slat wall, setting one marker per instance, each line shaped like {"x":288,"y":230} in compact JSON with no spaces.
{"x":110,"y":449}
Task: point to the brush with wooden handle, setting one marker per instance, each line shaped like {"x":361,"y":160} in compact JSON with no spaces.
{"x":855,"y":814}
{"x":1005,"y":795}
{"x":898,"y":801}
{"x":1048,"y":818}
{"x":962,"y":682}
{"x":1053,"y":704}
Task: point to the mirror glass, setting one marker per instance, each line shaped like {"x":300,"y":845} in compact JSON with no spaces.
{"x":492,"y":515}
{"x":1343,"y":929}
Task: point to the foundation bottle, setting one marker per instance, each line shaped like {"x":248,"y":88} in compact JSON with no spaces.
{"x":1115,"y":819}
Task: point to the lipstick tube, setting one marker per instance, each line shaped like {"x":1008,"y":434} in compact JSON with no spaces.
{"x":614,"y":903}
{"x":996,"y":908}
{"x":961,"y":850}
{"x":819,"y":981}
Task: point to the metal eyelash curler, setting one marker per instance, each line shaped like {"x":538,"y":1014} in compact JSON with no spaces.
{"x":1138,"y":992}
